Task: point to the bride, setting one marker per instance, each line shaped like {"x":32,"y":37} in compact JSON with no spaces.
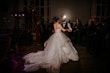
{"x":58,"y":49}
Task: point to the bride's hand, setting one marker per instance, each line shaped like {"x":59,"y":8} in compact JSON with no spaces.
{"x":66,"y":29}
{"x":69,"y":30}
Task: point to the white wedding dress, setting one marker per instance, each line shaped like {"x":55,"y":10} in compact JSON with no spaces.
{"x":58,"y":49}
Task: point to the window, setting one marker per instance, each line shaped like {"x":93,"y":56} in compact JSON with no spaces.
{"x":103,"y":1}
{"x":108,"y":2}
{"x":98,"y":10}
{"x":42,"y":2}
{"x":98,"y":1}
{"x":42,"y":11}
{"x":37,"y":2}
{"x":25,"y":2}
{"x":108,"y":11}
{"x":103,"y":10}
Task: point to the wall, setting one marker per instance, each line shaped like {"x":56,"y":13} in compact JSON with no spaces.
{"x":72,"y":8}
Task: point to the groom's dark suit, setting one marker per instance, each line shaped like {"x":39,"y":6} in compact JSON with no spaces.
{"x":66,"y":25}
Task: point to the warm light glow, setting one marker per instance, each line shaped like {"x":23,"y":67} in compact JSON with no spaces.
{"x":22,"y":14}
{"x":15,"y":14}
{"x":64,"y":16}
{"x":19,"y":15}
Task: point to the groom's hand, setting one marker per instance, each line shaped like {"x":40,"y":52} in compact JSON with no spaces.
{"x":69,"y":30}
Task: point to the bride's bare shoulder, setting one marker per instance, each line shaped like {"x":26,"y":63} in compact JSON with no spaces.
{"x":57,"y":25}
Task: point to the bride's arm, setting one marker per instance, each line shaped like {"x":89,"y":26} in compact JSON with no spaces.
{"x":62,"y":28}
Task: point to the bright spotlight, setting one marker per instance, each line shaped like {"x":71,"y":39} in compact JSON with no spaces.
{"x":64,"y":16}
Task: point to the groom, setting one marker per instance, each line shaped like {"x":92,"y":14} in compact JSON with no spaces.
{"x":66,"y":25}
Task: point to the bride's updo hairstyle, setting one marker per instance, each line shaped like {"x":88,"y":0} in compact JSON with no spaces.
{"x":55,"y":19}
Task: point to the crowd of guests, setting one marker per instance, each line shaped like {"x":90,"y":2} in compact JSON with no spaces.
{"x":95,"y":35}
